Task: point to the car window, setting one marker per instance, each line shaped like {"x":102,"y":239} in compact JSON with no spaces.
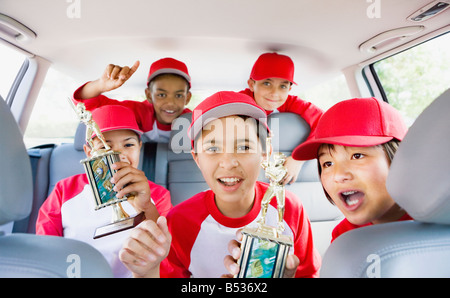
{"x":326,"y":94}
{"x":10,"y":64}
{"x":412,"y":79}
{"x":52,"y":119}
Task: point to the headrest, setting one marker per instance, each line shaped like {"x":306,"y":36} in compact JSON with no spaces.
{"x":295,"y":131}
{"x":16,"y":195}
{"x":419,"y":178}
{"x":179,"y":140}
{"x":80,"y":137}
{"x":294,"y":128}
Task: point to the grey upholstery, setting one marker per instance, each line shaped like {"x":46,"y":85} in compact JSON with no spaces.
{"x":28,"y":255}
{"x":419,"y":182}
{"x":184,"y":178}
{"x":65,"y":159}
{"x":289,"y":130}
{"x":15,"y":177}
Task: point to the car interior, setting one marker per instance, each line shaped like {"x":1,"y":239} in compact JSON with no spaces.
{"x":342,"y":41}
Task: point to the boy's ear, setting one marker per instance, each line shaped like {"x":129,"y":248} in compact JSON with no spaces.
{"x":87,"y":150}
{"x":251,"y":83}
{"x":195,"y":157}
{"x":188,"y":98}
{"x":148,"y":94}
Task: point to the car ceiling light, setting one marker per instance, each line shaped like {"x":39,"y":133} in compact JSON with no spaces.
{"x":429,"y":11}
{"x":387,"y":38}
{"x":16,"y":30}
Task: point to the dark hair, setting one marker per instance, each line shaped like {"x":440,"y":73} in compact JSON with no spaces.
{"x":389,"y":148}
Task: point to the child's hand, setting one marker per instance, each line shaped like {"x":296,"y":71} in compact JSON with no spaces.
{"x":148,"y":245}
{"x":115,"y":76}
{"x":112,"y":78}
{"x":129,"y":180}
{"x":234,"y":248}
{"x":293,"y":168}
{"x":230,"y":261}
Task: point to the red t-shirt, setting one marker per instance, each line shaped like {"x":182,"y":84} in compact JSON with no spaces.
{"x":293,"y":104}
{"x":69,"y":212}
{"x":200,"y":235}
{"x":345,"y":226}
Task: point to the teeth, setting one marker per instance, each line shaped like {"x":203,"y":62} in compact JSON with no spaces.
{"x":348,"y":193}
{"x":170,"y":111}
{"x":348,"y":200}
{"x":229,"y":180}
{"x":351,"y":203}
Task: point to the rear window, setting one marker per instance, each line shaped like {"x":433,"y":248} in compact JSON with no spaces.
{"x":412,"y":79}
{"x":10,"y":64}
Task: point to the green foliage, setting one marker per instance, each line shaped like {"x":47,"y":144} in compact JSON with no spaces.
{"x":415,"y":77}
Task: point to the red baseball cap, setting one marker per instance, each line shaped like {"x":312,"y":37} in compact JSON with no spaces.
{"x":115,"y":117}
{"x":358,"y":122}
{"x":223,"y":104}
{"x":273,"y":65}
{"x":168,"y":65}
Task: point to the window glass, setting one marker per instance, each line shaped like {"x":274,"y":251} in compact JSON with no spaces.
{"x":10,"y":63}
{"x":52,"y":119}
{"x":414,"y":78}
{"x":326,"y":94}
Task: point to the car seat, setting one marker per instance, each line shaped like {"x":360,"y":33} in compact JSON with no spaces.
{"x":29,"y":255}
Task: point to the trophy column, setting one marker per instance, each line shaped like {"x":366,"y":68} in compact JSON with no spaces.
{"x":265,"y":249}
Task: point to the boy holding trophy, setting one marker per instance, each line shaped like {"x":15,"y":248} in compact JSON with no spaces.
{"x":228,"y":134}
{"x":70,"y":210}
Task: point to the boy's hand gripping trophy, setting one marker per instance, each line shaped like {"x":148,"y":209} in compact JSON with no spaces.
{"x":264,"y":249}
{"x":99,"y":172}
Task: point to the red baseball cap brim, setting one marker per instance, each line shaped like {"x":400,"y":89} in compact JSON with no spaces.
{"x":168,"y":66}
{"x":309,"y":149}
{"x":357,"y":122}
{"x":115,"y":117}
{"x":223,"y":104}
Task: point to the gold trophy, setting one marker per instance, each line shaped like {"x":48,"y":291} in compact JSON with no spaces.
{"x":99,"y":172}
{"x":265,"y":249}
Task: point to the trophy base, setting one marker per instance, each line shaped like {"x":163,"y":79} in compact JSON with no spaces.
{"x":264,"y":253}
{"x":119,"y":226}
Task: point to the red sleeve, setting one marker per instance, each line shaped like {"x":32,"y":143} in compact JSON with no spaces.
{"x":308,"y":111}
{"x":143,"y":111}
{"x":297,"y":219}
{"x":184,"y":222}
{"x":49,"y":221}
{"x":161,"y":197}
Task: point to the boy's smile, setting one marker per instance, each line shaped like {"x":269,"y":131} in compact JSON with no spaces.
{"x":169,"y":95}
{"x":270,"y":93}
{"x":229,"y":156}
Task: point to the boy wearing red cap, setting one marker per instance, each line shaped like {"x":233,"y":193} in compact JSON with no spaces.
{"x":69,"y":211}
{"x":354,"y":144}
{"x":269,"y":84}
{"x":228,"y":136}
{"x":167,"y":94}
